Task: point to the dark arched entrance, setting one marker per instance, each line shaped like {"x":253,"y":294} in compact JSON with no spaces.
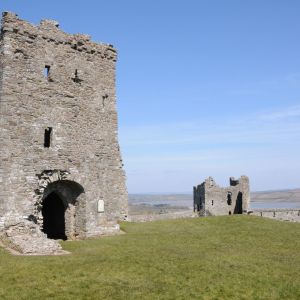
{"x":53,"y":212}
{"x":239,"y":204}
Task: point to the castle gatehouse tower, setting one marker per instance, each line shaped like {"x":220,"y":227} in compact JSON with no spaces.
{"x":61,"y":166}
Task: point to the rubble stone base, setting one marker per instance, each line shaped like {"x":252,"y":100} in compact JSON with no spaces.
{"x":24,"y":237}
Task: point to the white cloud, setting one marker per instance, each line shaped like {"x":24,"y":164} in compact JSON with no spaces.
{"x":286,"y":113}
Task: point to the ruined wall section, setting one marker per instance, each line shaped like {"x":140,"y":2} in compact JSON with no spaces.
{"x":4,"y":151}
{"x":199,"y":198}
{"x":244,"y":188}
{"x":1,"y":121}
{"x":76,"y":99}
{"x":216,"y":200}
{"x":291,"y":215}
{"x":1,"y":63}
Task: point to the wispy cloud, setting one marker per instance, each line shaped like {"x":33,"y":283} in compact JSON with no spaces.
{"x":286,"y":113}
{"x":257,"y":143}
{"x":266,"y":127}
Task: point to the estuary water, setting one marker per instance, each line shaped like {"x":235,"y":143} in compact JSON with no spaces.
{"x":271,"y":205}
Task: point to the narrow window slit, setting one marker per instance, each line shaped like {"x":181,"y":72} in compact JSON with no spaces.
{"x":76,"y":77}
{"x":103,"y":99}
{"x":229,"y":198}
{"x":47,"y":137}
{"x":46,"y":71}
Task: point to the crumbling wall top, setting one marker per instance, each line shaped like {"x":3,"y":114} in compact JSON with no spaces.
{"x":49,"y":23}
{"x":233,"y":181}
{"x":49,"y":31}
{"x":9,"y":14}
{"x":210,"y":182}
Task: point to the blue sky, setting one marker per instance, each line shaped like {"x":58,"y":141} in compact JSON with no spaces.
{"x":205,"y":88}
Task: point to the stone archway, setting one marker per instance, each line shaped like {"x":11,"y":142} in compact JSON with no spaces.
{"x":53,"y":212}
{"x":239,"y":204}
{"x":61,"y":205}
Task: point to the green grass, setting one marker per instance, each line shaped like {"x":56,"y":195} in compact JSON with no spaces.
{"x":231,"y":257}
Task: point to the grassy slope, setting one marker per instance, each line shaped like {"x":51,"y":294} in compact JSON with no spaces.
{"x":231,"y":257}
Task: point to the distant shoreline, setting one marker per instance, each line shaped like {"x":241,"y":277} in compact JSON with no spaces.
{"x":289,"y":199}
{"x":288,"y":195}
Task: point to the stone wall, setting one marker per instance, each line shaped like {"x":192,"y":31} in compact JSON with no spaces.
{"x":211,"y":199}
{"x":292,"y":215}
{"x":58,"y":117}
{"x":163,"y":216}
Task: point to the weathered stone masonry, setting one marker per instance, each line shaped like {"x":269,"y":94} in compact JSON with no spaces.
{"x":58,"y":129}
{"x":211,"y":199}
{"x":292,"y":215}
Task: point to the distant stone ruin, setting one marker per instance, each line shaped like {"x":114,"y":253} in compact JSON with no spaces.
{"x":61,"y":171}
{"x":213,"y":200}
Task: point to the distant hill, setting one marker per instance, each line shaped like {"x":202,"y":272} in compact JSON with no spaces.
{"x":292,"y":195}
{"x":276,"y":196}
{"x":158,"y":197}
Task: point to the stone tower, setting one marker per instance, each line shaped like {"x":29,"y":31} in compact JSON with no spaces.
{"x":60,"y":159}
{"x":211,"y":199}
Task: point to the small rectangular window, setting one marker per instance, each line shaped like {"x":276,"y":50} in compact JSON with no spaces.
{"x":47,"y":137}
{"x":46,"y":71}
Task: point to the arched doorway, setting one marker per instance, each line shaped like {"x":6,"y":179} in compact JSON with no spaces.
{"x":53,"y":212}
{"x":239,"y":204}
{"x":63,"y":210}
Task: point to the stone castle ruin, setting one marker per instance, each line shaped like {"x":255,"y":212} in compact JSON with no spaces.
{"x":61,"y":168}
{"x":213,"y":200}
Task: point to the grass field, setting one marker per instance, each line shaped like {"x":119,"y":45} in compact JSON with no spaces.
{"x":231,"y":257}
